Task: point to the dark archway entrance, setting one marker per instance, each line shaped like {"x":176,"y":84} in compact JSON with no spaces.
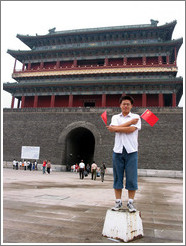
{"x":79,"y":144}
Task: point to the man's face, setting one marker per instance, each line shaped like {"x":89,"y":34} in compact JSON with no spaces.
{"x":125,"y":106}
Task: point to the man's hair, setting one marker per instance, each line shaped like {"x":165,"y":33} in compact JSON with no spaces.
{"x":126,"y":98}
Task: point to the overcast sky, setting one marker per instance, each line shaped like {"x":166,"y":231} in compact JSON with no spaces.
{"x":31,"y":17}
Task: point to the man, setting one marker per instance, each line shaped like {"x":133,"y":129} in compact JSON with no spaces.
{"x":81,"y":169}
{"x":102,"y":171}
{"x":125,"y":152}
{"x":14,"y":164}
{"x":93,"y":170}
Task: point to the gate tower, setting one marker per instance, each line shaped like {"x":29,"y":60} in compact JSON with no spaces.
{"x":68,"y":78}
{"x":94,"y":67}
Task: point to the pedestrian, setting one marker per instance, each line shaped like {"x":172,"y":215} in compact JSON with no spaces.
{"x":36,"y":165}
{"x":73,"y":168}
{"x":81,"y":169}
{"x":48,"y":166}
{"x":20,"y":164}
{"x":125,"y":152}
{"x":44,"y":166}
{"x":25,"y":165}
{"x":88,"y":168}
{"x":33,"y":165}
{"x":28,"y":165}
{"x":14,"y":164}
{"x":102,"y":171}
{"x":76,"y":167}
{"x":93,"y":170}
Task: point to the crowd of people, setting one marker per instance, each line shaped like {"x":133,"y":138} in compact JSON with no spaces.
{"x":47,"y":167}
{"x":32,"y":165}
{"x":25,"y":164}
{"x":84,"y":170}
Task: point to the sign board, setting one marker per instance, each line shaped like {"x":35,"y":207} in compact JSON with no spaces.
{"x":30,"y":152}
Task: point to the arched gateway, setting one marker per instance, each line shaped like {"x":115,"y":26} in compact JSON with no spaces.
{"x":79,"y":140}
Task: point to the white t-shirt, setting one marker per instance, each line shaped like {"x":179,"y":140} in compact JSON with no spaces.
{"x":128,"y":140}
{"x":81,"y":165}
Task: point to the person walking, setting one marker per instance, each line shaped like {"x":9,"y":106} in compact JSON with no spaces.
{"x":20,"y":164}
{"x":125,"y":152}
{"x":88,"y":168}
{"x":48,"y":166}
{"x":93,"y":170}
{"x":81,"y":169}
{"x":14,"y":164}
{"x":25,"y":165}
{"x":35,"y":165}
{"x":76,"y":168}
{"x":102,"y":171}
{"x":44,"y":166}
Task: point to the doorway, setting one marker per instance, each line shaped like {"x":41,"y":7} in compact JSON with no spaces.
{"x":79,"y":145}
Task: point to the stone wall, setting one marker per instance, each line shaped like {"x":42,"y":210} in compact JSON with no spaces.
{"x":160,"y":147}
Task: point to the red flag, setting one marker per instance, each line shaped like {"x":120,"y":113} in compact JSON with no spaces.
{"x":149,"y":117}
{"x":104,"y":117}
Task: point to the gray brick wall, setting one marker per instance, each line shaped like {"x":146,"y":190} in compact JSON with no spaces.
{"x":160,"y":147}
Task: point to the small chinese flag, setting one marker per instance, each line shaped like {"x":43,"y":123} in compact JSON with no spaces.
{"x":149,"y":117}
{"x":104,"y":117}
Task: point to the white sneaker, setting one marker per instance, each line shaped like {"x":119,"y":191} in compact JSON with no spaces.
{"x":131,"y":207}
{"x":118,"y":206}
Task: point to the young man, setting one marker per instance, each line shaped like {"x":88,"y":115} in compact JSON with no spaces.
{"x":81,"y":169}
{"x":125,"y":152}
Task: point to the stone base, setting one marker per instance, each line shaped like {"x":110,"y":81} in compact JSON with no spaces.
{"x":123,"y":225}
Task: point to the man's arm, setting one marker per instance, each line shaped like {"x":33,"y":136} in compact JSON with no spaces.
{"x":129,"y":123}
{"x":127,"y":129}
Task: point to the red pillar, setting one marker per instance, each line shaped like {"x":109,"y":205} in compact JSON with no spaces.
{"x":29,"y":66}
{"x":144,"y":60}
{"x":52,"y":102}
{"x":23,"y":102}
{"x":106,"y":62}
{"x":35,"y":101}
{"x":12,"y":104}
{"x":167,"y":59}
{"x":103,"y":100}
{"x":75,"y":63}
{"x":57,"y":64}
{"x":70,"y":102}
{"x":160,"y":100}
{"x":144,"y":100}
{"x":125,"y":61}
{"x":41,"y":65}
{"x":23,"y":67}
{"x":160,"y":60}
{"x":174,"y":100}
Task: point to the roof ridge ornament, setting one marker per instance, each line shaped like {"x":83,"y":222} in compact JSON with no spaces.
{"x":52,"y":30}
{"x":154,"y":22}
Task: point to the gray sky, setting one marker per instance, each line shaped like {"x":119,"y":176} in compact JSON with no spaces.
{"x":31,"y":17}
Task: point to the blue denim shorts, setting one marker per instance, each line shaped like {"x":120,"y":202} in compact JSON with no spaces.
{"x":127,"y":163}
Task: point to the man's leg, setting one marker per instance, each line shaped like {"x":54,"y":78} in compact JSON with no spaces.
{"x":131,"y":194}
{"x":131,"y":179}
{"x":118,"y":193}
{"x":118,"y":175}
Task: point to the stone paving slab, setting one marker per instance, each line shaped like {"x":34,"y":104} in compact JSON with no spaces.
{"x":61,"y":208}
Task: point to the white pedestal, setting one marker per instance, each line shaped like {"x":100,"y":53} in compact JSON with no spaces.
{"x":123,"y":225}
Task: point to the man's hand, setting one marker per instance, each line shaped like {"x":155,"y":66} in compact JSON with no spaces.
{"x":111,"y":128}
{"x":134,"y":121}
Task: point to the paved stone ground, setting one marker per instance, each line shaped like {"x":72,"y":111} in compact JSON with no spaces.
{"x":61,"y":208}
